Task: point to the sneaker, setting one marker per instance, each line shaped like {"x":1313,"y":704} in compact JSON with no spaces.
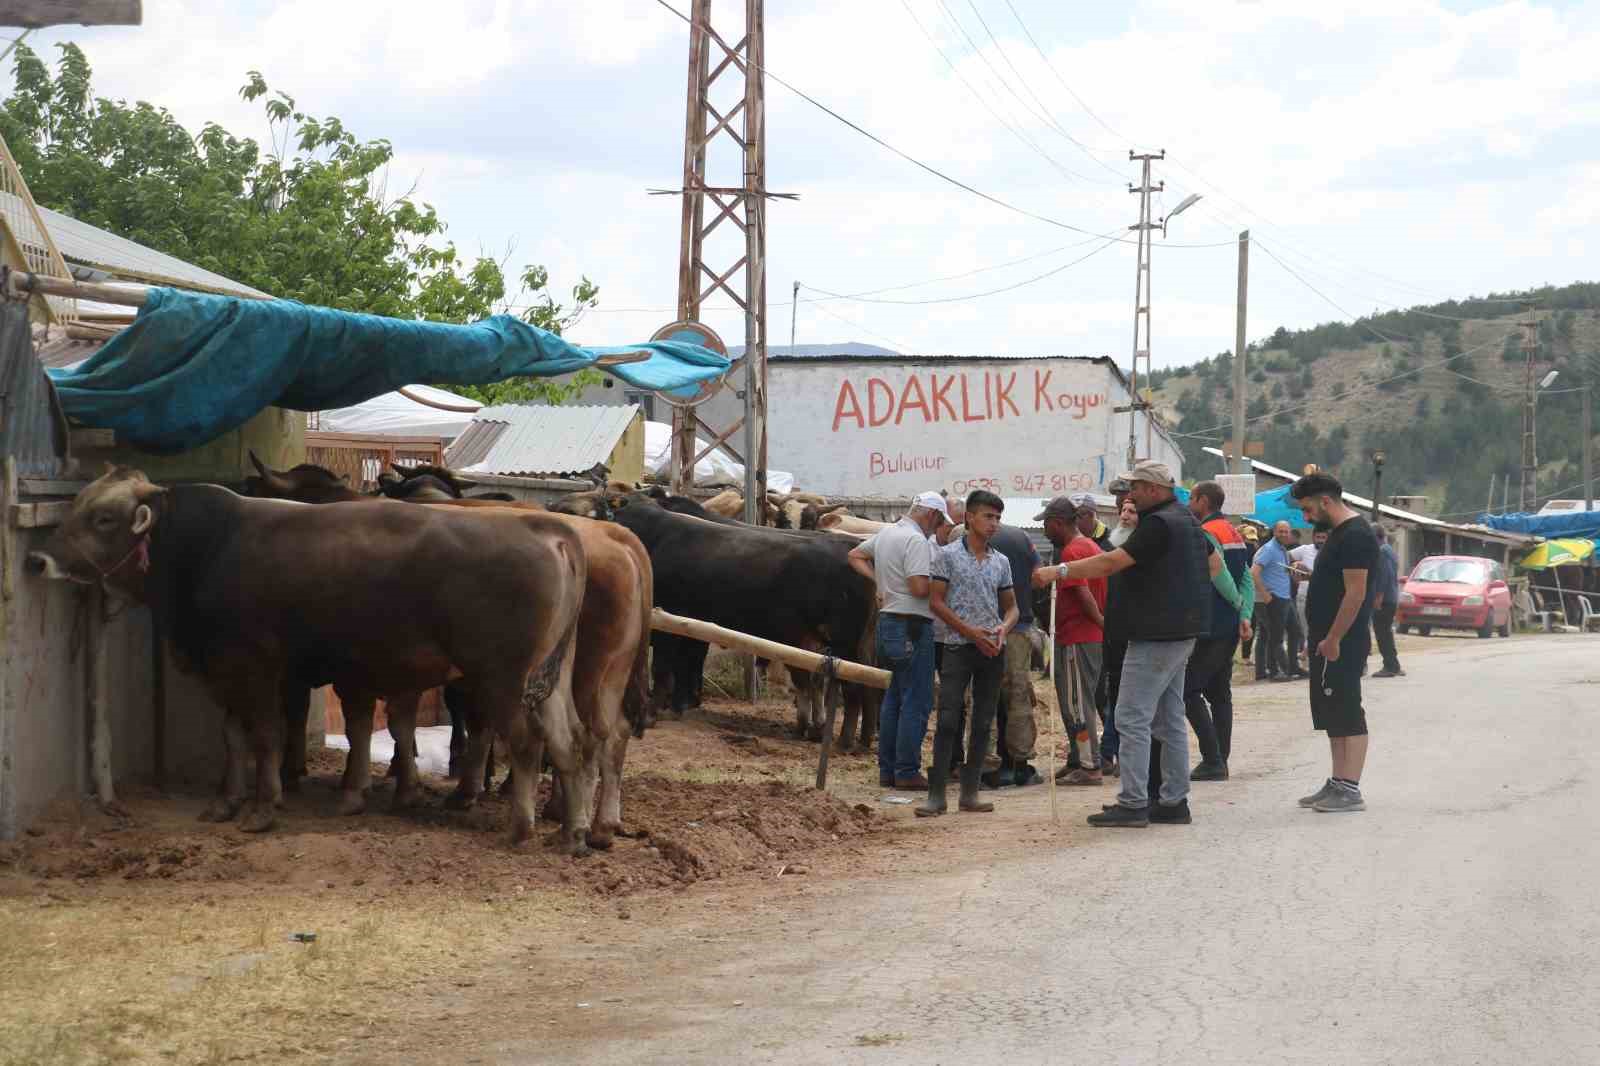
{"x":1029,"y":776}
{"x":1063,"y":771}
{"x":1117,"y":816}
{"x":1209,"y":771}
{"x":917,"y":783}
{"x":1389,"y":673}
{"x":1341,"y":799}
{"x":1177,"y":814}
{"x":1080,"y":776}
{"x":885,"y":780}
{"x":1312,"y":800}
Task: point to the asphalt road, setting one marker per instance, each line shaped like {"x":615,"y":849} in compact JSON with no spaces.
{"x":1454,"y":922}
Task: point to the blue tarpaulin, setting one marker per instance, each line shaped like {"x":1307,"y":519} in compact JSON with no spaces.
{"x":1274,"y":506}
{"x":1584,"y":524}
{"x":194,"y":366}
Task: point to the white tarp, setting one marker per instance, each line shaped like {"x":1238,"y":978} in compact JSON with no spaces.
{"x":397,"y":416}
{"x":715,"y":469}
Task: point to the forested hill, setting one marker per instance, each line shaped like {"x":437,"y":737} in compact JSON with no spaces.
{"x":1438,"y":388}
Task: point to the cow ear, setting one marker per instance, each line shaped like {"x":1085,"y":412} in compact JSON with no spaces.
{"x":143,"y":519}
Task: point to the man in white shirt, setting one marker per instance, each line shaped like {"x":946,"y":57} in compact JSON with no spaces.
{"x":900,"y":559}
{"x":1302,"y":561}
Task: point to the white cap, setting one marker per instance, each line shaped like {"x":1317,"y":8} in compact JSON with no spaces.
{"x":933,"y":502}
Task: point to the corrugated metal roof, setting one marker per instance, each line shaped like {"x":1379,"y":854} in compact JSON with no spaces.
{"x":91,"y":246}
{"x":539,"y":441}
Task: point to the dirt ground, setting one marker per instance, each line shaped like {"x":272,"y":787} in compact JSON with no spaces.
{"x":164,"y":939}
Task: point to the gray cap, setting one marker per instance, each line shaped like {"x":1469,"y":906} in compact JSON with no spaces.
{"x":1060,"y":507}
{"x":1150,"y":471}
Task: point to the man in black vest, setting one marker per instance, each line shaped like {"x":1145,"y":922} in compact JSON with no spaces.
{"x":1163,"y":605}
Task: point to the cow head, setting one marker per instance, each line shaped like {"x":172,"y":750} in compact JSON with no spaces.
{"x":598,"y":504}
{"x":307,"y":483}
{"x":105,"y":538}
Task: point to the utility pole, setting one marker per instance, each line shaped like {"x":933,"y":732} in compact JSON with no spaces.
{"x":744,"y":206}
{"x":1141,"y":303}
{"x":1488,"y":508}
{"x":1588,"y":437}
{"x":794,"y":311}
{"x":1240,"y":465}
{"x":1530,"y":459}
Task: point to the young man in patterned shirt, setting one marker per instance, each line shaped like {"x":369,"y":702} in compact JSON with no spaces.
{"x":976,"y":607}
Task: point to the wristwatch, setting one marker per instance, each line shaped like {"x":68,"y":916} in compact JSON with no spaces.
{"x":1061,"y":568}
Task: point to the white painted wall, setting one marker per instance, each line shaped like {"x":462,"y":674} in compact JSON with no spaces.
{"x":1018,"y":427}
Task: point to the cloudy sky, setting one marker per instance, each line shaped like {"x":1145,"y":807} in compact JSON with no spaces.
{"x":1388,"y":151}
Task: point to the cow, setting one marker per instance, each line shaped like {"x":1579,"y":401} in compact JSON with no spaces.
{"x":847,"y":524}
{"x":380,"y":599}
{"x":610,"y":685}
{"x":793,"y":587}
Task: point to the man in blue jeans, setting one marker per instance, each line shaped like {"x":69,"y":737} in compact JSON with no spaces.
{"x":1163,"y":605}
{"x":899,"y":559}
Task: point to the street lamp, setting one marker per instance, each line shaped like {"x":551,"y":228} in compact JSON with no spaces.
{"x":1377,"y":482}
{"x":1183,"y":205}
{"x":1544,"y":383}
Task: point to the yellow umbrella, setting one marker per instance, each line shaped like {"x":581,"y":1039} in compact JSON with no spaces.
{"x":1557,"y":553}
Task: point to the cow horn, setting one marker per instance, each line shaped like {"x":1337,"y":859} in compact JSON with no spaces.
{"x":270,"y":477}
{"x":143,"y":519}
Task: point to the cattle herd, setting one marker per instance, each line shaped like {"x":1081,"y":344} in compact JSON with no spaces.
{"x":534,"y":621}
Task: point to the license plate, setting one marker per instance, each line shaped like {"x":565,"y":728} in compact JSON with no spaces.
{"x":1436,"y":611}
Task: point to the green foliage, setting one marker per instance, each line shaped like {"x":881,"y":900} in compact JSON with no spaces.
{"x":1277,"y":390}
{"x":308,"y":217}
{"x":1511,"y":352}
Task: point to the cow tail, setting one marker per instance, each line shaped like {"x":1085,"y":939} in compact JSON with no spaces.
{"x":636,"y":699}
{"x":542,"y":681}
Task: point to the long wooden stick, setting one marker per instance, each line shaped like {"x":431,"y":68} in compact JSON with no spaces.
{"x":696,"y":629}
{"x":1055,"y":704}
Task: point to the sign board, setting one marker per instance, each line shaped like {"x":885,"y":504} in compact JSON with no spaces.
{"x":1238,"y":493}
{"x":1255,"y":449}
{"x":895,"y":427}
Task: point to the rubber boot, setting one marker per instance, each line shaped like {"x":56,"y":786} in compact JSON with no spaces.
{"x":938,"y":774}
{"x":969,"y":792}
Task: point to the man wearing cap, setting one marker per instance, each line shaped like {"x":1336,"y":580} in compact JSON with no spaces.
{"x":1079,"y":636}
{"x":1163,"y":604}
{"x":900,"y":560}
{"x":1089,"y":523}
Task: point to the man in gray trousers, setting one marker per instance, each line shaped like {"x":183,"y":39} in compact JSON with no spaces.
{"x":1164,"y":603}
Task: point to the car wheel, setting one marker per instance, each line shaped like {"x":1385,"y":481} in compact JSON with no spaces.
{"x":1423,"y":631}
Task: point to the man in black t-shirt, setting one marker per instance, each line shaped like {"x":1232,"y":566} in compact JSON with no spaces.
{"x":1338,"y":620}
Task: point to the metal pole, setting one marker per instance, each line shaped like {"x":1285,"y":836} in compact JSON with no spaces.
{"x":1588,"y":435}
{"x":1239,"y":464}
{"x":692,"y":233}
{"x":794,"y":310}
{"x":1489,"y":506}
{"x":1377,"y":490}
{"x":755,"y":285}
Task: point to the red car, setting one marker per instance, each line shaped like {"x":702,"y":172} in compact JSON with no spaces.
{"x":1455,"y":592}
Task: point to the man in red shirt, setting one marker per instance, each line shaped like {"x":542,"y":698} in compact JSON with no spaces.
{"x":1079,"y":633}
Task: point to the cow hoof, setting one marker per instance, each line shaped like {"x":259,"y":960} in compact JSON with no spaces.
{"x":844,"y":747}
{"x":406,"y":800}
{"x":352,"y":803}
{"x":602,"y":837}
{"x":258,"y":819}
{"x":114,"y":809}
{"x":460,"y":801}
{"x":521,"y":832}
{"x":577,"y":849}
{"x":221,"y":810}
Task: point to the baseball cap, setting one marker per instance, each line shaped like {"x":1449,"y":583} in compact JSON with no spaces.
{"x":933,"y":502}
{"x":1152,"y":472}
{"x":1080,"y":500}
{"x":1060,"y":507}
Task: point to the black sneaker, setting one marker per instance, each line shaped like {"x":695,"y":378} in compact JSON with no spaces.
{"x":1177,"y":814}
{"x":1209,"y":771}
{"x":1386,"y":672}
{"x":1117,"y":816}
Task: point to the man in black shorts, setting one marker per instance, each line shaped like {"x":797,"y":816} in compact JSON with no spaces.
{"x":1338,"y":620}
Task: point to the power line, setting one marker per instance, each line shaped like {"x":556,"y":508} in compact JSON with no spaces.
{"x":968,"y":296}
{"x":1014,"y":131}
{"x":1086,"y":109}
{"x":902,"y":345}
{"x":930,"y":169}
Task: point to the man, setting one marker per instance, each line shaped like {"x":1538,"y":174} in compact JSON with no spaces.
{"x":1302,"y":562}
{"x":1208,"y":684}
{"x":1079,"y":636}
{"x":1339,"y":612}
{"x":1270,"y":573}
{"x":1089,"y":523}
{"x":1014,"y":711}
{"x":900,"y":560}
{"x":1252,"y":541}
{"x":1161,"y":606}
{"x":1113,"y":649}
{"x":1384,"y":604}
{"x":972,"y":596}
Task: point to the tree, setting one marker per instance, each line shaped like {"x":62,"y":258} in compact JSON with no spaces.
{"x":307,"y":218}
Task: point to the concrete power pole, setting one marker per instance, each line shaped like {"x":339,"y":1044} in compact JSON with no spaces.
{"x":1239,"y":464}
{"x":1588,"y":436}
{"x":744,"y":206}
{"x":1529,"y":487}
{"x":1141,"y":305}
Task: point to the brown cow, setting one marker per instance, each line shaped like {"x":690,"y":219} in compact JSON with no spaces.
{"x":610,"y":680}
{"x":382,"y":600}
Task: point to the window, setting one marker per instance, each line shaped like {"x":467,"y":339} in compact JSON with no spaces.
{"x":1468,"y":571}
{"x":646,"y":401}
